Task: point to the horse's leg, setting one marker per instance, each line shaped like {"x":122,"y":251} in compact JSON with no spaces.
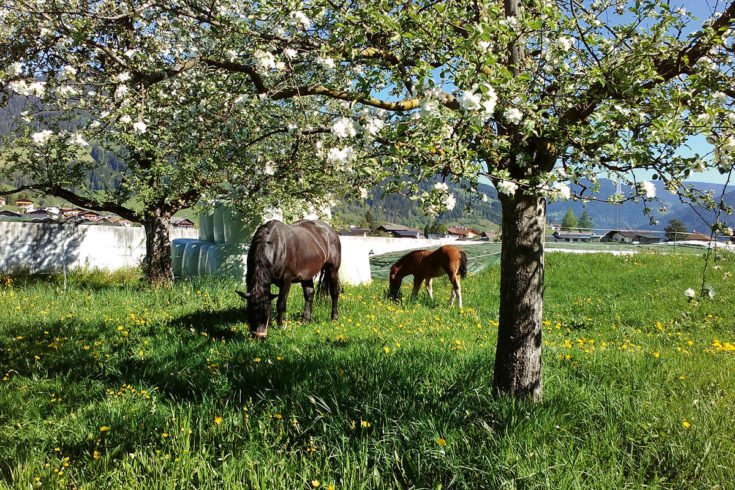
{"x":281,"y":302}
{"x":417,"y":280}
{"x":456,"y":290}
{"x":308,"y":298}
{"x":429,"y":289}
{"x":334,"y":291}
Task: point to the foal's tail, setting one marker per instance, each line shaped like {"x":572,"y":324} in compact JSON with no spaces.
{"x":325,"y":281}
{"x":462,"y":264}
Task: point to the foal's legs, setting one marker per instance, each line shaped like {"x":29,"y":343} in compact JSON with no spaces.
{"x":429,"y":289}
{"x":416,"y":286}
{"x":308,"y":298}
{"x":281,"y":303}
{"x":456,"y":290}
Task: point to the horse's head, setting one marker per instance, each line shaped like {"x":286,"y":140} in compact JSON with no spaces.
{"x":258,"y":311}
{"x":394,"y":283}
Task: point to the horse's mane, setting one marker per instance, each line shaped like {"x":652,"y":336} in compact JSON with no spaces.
{"x":258,"y":270}
{"x":405,"y":258}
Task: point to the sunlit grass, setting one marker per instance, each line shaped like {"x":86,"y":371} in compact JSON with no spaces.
{"x":110,"y":384}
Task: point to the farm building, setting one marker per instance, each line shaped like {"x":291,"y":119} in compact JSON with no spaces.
{"x":2,"y":201}
{"x":8,"y":214}
{"x":399,"y":231}
{"x":574,"y":236}
{"x":182,"y":223}
{"x":695,"y":235}
{"x":462,"y":232}
{"x":628,"y":236}
{"x":26,"y":205}
{"x":353,"y":230}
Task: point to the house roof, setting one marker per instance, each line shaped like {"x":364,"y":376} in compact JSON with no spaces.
{"x":23,"y":200}
{"x":460,"y":230}
{"x":406,"y":233}
{"x":9,"y":214}
{"x":394,"y":227}
{"x":634,"y":234}
{"x":695,"y":235}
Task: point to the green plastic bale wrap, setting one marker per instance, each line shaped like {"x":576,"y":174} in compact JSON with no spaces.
{"x":228,"y":259}
{"x":239,"y":228}
{"x":177,"y":253}
{"x":206,"y":226}
{"x":190,"y":261}
{"x":218,"y":225}
{"x":202,"y":267}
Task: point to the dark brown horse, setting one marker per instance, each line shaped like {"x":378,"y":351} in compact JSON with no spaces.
{"x":425,"y":264}
{"x":283,"y":254}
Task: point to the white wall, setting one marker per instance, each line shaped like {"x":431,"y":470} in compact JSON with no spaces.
{"x":48,"y":246}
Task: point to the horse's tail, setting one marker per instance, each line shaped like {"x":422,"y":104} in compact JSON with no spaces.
{"x":462,"y":264}
{"x":325,"y":281}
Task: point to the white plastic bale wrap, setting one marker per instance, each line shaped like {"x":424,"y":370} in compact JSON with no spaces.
{"x":238,"y":228}
{"x":177,"y":253}
{"x":355,"y":268}
{"x":218,"y":224}
{"x":190,"y":262}
{"x":206,"y":226}
{"x":202,"y":267}
{"x":228,"y":259}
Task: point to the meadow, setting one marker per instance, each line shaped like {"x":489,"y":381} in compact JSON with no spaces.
{"x":110,"y":384}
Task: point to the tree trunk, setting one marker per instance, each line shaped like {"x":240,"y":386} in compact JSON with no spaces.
{"x":157,"y":267}
{"x":518,"y":353}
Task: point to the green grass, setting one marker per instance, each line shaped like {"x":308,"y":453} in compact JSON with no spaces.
{"x":108,"y":384}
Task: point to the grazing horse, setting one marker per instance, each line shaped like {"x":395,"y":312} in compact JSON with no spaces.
{"x":424,"y":264}
{"x":283,"y":254}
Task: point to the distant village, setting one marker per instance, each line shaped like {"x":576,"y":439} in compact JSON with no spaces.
{"x":55,"y":214}
{"x":28,"y":212}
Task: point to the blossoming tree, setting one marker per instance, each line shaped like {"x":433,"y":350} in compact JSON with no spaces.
{"x":533,"y":95}
{"x":127,"y":79}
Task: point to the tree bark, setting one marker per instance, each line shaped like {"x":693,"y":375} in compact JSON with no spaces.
{"x":157,"y":267}
{"x":518,"y":352}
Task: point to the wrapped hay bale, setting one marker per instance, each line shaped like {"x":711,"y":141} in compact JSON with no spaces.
{"x":206,"y":227}
{"x":203,"y":255}
{"x":177,"y":253}
{"x":355,"y":267}
{"x":239,"y":228}
{"x":228,"y":259}
{"x":190,"y":261}
{"x":218,"y":224}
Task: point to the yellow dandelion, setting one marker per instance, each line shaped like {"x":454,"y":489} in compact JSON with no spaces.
{"x":315,"y":483}
{"x":365,"y":424}
{"x":656,"y":355}
{"x":104,"y":428}
{"x":386,"y":349}
{"x":686,"y":424}
{"x":278,"y":416}
{"x":441,"y":442}
{"x":218,"y":420}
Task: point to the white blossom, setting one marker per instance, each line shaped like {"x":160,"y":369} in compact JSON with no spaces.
{"x":69,"y":72}
{"x":37,"y":88}
{"x":300,"y":18}
{"x":325,"y":62}
{"x":41,"y":137}
{"x":483,"y":46}
{"x":77,"y":139}
{"x":429,"y":107}
{"x":126,"y":119}
{"x":562,"y":191}
{"x":470,"y":101}
{"x":121,"y":91}
{"x":269,"y":169}
{"x":513,"y":115}
{"x":14,"y":69}
{"x":565,"y":43}
{"x":266,"y":60}
{"x":648,"y":189}
{"x":341,"y":156}
{"x":66,"y":91}
{"x":441,"y":186}
{"x":344,"y":128}
{"x":290,"y":53}
{"x":123,"y":77}
{"x":140,"y":127}
{"x":363,"y":193}
{"x":719,"y":98}
{"x":450,"y":202}
{"x":484,"y":198}
{"x":507,"y":187}
{"x":690,"y":293}
{"x":373,"y":126}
